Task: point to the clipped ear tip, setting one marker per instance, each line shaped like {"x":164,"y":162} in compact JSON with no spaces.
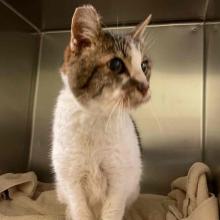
{"x":85,"y":9}
{"x":89,"y":7}
{"x":85,"y":27}
{"x":85,"y":13}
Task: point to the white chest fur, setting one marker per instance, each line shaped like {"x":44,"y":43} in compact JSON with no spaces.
{"x":96,"y":160}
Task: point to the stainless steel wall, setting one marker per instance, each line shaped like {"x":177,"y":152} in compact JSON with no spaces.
{"x":18,"y":62}
{"x":170,"y":126}
{"x":212,"y":98}
{"x":179,"y":126}
{"x":56,"y":14}
{"x":47,"y":88}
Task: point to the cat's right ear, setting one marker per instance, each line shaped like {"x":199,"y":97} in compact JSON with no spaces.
{"x":138,"y":32}
{"x":85,"y":28}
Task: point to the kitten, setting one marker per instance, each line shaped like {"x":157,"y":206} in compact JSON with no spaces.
{"x":95,"y":155}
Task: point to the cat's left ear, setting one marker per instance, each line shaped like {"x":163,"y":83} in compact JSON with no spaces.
{"x":138,"y":31}
{"x":85,"y":27}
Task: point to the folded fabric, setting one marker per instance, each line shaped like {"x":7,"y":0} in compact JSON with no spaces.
{"x":22,"y":197}
{"x":193,"y":200}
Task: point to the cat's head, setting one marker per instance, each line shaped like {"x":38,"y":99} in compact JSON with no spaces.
{"x":102,"y":69}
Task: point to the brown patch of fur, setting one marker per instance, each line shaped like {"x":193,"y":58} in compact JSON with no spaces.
{"x":85,"y":28}
{"x":67,"y":55}
{"x":86,"y":65}
{"x":87,"y":71}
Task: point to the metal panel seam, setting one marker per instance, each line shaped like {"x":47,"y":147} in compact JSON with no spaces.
{"x":31,"y":100}
{"x":130,"y":26}
{"x":204,"y":91}
{"x":21,"y":16}
{"x":35,"y":99}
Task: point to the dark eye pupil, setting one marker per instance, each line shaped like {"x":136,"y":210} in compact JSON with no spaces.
{"x":117,"y":65}
{"x":144,"y":65}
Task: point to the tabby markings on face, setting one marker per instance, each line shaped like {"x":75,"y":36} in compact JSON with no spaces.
{"x":102,"y":67}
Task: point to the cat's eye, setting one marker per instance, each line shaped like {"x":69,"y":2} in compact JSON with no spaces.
{"x":117,"y":65}
{"x":144,"y":65}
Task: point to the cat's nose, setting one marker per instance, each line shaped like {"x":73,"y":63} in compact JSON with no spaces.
{"x":142,"y":88}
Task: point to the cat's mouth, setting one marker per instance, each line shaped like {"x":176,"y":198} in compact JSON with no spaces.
{"x":147,"y":97}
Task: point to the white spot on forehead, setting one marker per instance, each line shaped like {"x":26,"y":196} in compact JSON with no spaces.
{"x":136,"y":59}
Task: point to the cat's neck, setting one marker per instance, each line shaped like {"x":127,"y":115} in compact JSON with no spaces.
{"x":93,"y":110}
{"x":111,"y":123}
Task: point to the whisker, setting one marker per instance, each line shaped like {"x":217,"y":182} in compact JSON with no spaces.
{"x":111,"y":113}
{"x":129,"y":104}
{"x":148,"y":46}
{"x":156,"y":118}
{"x":122,"y":113}
{"x":147,"y":35}
{"x":121,"y":103}
{"x":119,"y":117}
{"x":148,"y":40}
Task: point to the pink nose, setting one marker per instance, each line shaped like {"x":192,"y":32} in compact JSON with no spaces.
{"x":142,"y":88}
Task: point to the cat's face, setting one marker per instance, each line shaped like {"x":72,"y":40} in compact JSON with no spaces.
{"x":105,"y":70}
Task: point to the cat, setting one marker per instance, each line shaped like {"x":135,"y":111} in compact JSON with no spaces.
{"x":95,"y":153}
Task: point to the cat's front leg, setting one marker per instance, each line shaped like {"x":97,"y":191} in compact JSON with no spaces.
{"x":77,"y":207}
{"x":114,"y":206}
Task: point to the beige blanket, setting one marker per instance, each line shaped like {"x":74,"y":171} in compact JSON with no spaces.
{"x":22,"y":197}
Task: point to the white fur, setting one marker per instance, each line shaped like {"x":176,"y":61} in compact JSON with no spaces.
{"x":96,"y":159}
{"x":135,"y":66}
